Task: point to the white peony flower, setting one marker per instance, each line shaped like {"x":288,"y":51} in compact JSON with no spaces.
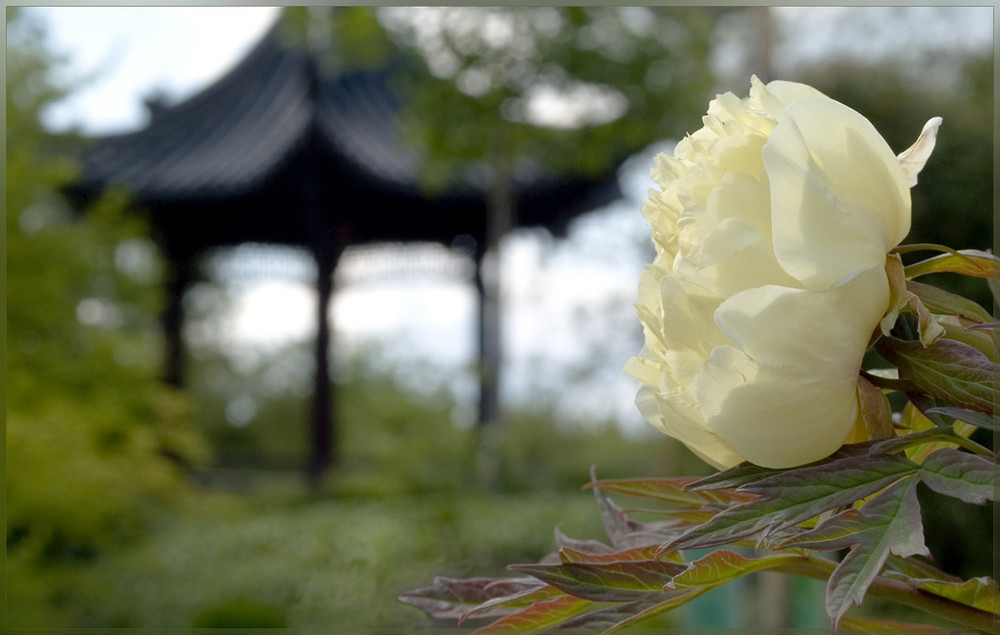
{"x":771,"y":229}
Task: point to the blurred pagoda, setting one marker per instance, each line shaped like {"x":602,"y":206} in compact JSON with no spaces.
{"x":282,"y":151}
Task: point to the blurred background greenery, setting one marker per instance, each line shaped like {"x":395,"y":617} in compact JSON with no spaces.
{"x":130,"y":504}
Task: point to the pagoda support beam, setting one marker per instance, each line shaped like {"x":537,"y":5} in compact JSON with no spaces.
{"x":322,"y":437}
{"x":177,"y":279}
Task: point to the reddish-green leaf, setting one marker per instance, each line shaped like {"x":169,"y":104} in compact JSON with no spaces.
{"x":961,"y":475}
{"x":669,"y":490}
{"x":871,"y":626}
{"x":507,"y":604}
{"x":888,"y":523}
{"x":722,"y":566}
{"x":980,"y":593}
{"x":608,"y":582}
{"x":541,"y":616}
{"x":796,"y":495}
{"x":948,"y":370}
{"x":603,"y":620}
{"x":969,"y":262}
{"x":592,"y":547}
{"x":451,"y":598}
{"x":623,"y":532}
{"x":734,"y":477}
{"x":637,"y":554}
{"x":739,"y":478}
{"x":674,"y":599}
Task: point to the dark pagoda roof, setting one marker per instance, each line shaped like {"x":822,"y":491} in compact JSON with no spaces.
{"x":232,"y":164}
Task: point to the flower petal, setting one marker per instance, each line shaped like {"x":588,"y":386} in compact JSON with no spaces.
{"x":677,"y":417}
{"x":785,"y":393}
{"x":839,"y":199}
{"x":913,"y":159}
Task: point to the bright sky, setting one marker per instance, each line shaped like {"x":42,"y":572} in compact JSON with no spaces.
{"x":553,"y":291}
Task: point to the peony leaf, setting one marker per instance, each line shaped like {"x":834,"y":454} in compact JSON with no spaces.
{"x":674,"y":599}
{"x":978,"y":336}
{"x":541,"y":616}
{"x":590,"y":547}
{"x":623,"y":532}
{"x":734,"y":477}
{"x":722,"y":566}
{"x":871,"y":626}
{"x":961,"y":475}
{"x":977,"y":419}
{"x":948,"y":370}
{"x":981,"y":593}
{"x":452,"y":598}
{"x":607,"y":582}
{"x":507,"y":604}
{"x":669,"y":490}
{"x":638,"y":554}
{"x":888,"y":523}
{"x":969,"y":262}
{"x":747,"y":473}
{"x":909,"y":568}
{"x":942,"y":302}
{"x":793,"y":496}
{"x":603,"y":620}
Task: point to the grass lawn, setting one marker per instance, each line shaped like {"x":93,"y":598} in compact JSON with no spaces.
{"x":285,"y":561}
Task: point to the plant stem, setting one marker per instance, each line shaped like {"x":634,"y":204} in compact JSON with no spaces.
{"x":820,"y":569}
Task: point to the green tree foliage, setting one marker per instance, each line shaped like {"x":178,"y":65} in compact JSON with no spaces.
{"x":88,"y":424}
{"x":475,"y":80}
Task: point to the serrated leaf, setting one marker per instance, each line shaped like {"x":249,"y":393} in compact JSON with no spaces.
{"x":970,"y":478}
{"x":969,"y":262}
{"x":978,"y":419}
{"x":669,"y":490}
{"x":607,"y":582}
{"x":888,"y":523}
{"x":541,"y":616}
{"x":980,"y":593}
{"x":793,"y":496}
{"x":722,"y":566}
{"x":948,"y":370}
